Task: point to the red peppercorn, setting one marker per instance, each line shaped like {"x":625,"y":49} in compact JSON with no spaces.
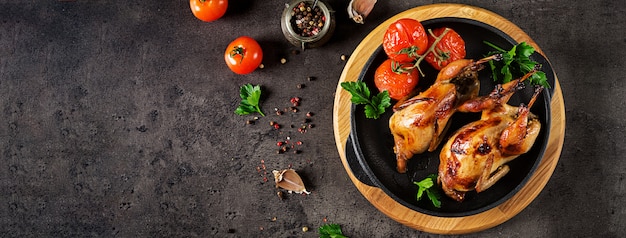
{"x":295,"y":101}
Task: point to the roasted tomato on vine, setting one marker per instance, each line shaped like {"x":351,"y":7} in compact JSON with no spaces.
{"x":405,"y":40}
{"x":450,"y":47}
{"x":399,"y":79}
{"x":243,"y":55}
{"x":208,"y":10}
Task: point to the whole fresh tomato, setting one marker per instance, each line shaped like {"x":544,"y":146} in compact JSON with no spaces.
{"x":451,"y":47}
{"x":405,"y":39}
{"x":397,"y":78}
{"x":208,"y":10}
{"x":243,"y":55}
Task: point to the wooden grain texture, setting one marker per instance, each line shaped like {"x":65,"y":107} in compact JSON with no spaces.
{"x":428,"y":223}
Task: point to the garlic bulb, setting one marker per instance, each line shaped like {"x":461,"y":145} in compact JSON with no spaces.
{"x":359,"y":9}
{"x":290,"y":180}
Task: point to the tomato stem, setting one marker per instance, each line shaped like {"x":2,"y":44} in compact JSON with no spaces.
{"x":398,"y":68}
{"x":237,"y":50}
{"x":420,"y":58}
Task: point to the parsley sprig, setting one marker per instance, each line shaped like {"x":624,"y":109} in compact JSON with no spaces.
{"x":330,"y":231}
{"x":426,"y":185}
{"x":374,"y":105}
{"x":515,"y":63}
{"x":250,"y":98}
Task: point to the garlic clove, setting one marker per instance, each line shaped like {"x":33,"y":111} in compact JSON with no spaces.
{"x":290,"y":180}
{"x":358,"y":10}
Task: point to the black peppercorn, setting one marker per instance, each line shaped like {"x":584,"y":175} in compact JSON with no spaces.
{"x":306,"y":21}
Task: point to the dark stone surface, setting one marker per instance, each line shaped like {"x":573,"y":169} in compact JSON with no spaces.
{"x":117,"y":120}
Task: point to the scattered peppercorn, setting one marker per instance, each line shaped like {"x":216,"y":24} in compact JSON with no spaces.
{"x":261,"y":66}
{"x":300,"y":86}
{"x":305,"y":228}
{"x":249,"y":122}
{"x":295,"y":101}
{"x":283,"y":60}
{"x":343,"y":57}
{"x":286,"y":145}
{"x":310,"y":78}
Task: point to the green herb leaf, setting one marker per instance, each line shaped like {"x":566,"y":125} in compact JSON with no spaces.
{"x":381,"y":101}
{"x":330,"y":231}
{"x":250,"y":98}
{"x":374,"y":106}
{"x":515,"y":63}
{"x":359,"y":90}
{"x":433,"y":196}
{"x":525,"y":50}
{"x":426,"y":185}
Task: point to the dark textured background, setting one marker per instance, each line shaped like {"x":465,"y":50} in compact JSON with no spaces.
{"x":116,"y":119}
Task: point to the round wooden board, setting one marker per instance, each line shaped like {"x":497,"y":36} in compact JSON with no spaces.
{"x":420,"y":221}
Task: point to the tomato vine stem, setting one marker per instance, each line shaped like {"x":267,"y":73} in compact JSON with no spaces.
{"x":421,"y":57}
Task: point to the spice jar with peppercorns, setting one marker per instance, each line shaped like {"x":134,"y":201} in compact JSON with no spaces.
{"x":308,"y":24}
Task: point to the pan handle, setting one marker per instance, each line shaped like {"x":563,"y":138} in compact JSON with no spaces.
{"x":359,"y":169}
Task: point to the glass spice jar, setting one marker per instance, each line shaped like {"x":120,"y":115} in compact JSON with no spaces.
{"x":305,"y":26}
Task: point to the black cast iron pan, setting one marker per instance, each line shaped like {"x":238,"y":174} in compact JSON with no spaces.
{"x":369,"y":148}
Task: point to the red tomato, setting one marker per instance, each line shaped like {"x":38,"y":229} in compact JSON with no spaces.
{"x":450,"y":48}
{"x":398,"y":79}
{"x":243,"y":55}
{"x":208,"y":10}
{"x":405,"y":39}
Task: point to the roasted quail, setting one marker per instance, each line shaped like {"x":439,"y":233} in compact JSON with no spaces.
{"x":419,"y":123}
{"x":475,"y":156}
